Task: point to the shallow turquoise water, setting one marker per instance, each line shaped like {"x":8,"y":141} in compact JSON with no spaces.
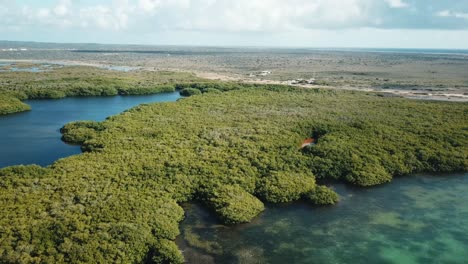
{"x":416,"y":219}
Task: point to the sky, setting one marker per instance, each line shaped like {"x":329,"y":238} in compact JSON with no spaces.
{"x":275,"y":23}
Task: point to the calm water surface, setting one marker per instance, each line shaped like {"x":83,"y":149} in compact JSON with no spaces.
{"x":34,"y":136}
{"x":417,"y":219}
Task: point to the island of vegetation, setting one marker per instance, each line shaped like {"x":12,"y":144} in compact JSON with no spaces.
{"x":232,"y":147}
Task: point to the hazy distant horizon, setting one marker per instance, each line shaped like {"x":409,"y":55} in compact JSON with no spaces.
{"x":331,"y":48}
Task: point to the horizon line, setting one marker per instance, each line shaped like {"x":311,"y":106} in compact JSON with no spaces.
{"x":337,"y":48}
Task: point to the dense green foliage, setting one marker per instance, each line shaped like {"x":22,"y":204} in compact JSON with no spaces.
{"x":90,"y":81}
{"x":82,"y":81}
{"x":166,"y":252}
{"x":118,"y":202}
{"x":147,"y":90}
{"x":211,"y":90}
{"x":190,"y":92}
{"x":80,"y":131}
{"x":322,"y":195}
{"x":366,"y":151}
{"x":9,"y":105}
{"x":210,"y":86}
{"x":234,"y":205}
{"x":189,"y":89}
{"x":285,"y":187}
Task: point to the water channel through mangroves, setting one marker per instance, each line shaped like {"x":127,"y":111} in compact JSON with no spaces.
{"x":33,"y":137}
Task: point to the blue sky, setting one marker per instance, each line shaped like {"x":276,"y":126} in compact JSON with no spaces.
{"x":303,"y":23}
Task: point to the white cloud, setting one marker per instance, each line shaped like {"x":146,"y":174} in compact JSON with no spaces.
{"x":149,"y":5}
{"x":103,"y":17}
{"x":43,"y":13}
{"x":62,"y":9}
{"x":444,"y":13}
{"x":397,"y":3}
{"x":153,"y":5}
{"x":256,"y":15}
{"x":448,"y":13}
{"x":66,"y":14}
{"x":240,"y":16}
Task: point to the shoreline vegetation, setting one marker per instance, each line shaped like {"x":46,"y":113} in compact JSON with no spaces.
{"x":60,"y":81}
{"x":80,"y":81}
{"x":230,"y":146}
{"x":11,"y":105}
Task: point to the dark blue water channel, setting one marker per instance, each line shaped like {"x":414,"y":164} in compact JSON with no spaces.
{"x":33,"y":137}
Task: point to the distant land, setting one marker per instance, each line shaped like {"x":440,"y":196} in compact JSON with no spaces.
{"x":436,"y":74}
{"x":6,"y":44}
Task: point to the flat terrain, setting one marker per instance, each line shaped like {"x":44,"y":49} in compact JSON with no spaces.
{"x":232,"y":146}
{"x":229,"y":150}
{"x":414,"y":74}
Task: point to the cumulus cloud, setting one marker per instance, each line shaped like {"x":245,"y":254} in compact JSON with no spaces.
{"x":211,"y":15}
{"x":149,"y":5}
{"x":230,"y":16}
{"x":257,"y":15}
{"x":66,"y":14}
{"x":103,"y":17}
{"x":61,"y":9}
{"x":396,"y":3}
